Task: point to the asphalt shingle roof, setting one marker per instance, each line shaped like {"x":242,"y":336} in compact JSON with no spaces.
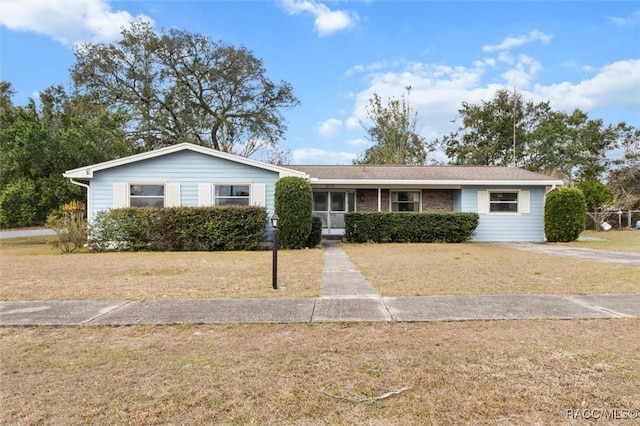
{"x":422,"y":173}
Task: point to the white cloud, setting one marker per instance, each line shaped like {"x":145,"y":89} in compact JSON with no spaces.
{"x":633,"y":19}
{"x":511,"y":42}
{"x":321,"y":156}
{"x":327,"y":21}
{"x":358,"y":142}
{"x":616,"y":84}
{"x":329,"y":127}
{"x":67,"y":21}
{"x":437,"y":91}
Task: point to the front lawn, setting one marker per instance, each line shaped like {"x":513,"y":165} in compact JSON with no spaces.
{"x":480,"y":373}
{"x":32,"y":270}
{"x":454,"y":269}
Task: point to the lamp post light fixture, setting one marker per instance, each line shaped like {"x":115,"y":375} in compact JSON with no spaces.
{"x":274,"y":223}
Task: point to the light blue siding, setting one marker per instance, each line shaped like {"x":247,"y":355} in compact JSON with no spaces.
{"x":457,"y":201}
{"x":186,"y":168}
{"x":507,"y":227}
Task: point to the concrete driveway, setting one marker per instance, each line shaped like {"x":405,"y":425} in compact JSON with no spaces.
{"x":607,"y":256}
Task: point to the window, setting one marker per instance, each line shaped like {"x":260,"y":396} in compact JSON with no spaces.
{"x":503,"y":202}
{"x":231,"y":195}
{"x":405,"y":201}
{"x":146,"y":195}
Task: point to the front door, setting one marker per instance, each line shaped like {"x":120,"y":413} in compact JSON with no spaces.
{"x":330,"y":207}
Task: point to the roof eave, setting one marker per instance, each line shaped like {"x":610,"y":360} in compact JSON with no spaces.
{"x":395,"y":182}
{"x":87,"y":172}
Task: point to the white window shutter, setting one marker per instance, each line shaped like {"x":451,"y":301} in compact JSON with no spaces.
{"x":172,"y":195}
{"x":482,"y":202}
{"x":259,"y":194}
{"x":120,"y":195}
{"x":525,"y":202}
{"x":204,"y":195}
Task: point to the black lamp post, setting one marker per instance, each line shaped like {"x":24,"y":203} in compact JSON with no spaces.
{"x":274,"y":223}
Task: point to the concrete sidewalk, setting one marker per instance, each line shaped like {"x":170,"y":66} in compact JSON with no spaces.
{"x":316,"y":310}
{"x":346,"y":297}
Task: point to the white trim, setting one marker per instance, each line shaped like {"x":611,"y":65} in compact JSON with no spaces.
{"x":218,"y":184}
{"x":419,"y":191}
{"x":127,"y":186}
{"x":379,"y":199}
{"x":518,"y":201}
{"x":441,"y":182}
{"x":88,"y":171}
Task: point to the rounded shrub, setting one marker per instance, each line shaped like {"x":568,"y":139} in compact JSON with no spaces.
{"x":564,"y":214}
{"x":293,"y":204}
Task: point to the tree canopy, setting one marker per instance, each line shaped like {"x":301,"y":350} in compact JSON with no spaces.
{"x":177,"y":86}
{"x":393,"y":133}
{"x":511,"y":131}
{"x":40,"y":142}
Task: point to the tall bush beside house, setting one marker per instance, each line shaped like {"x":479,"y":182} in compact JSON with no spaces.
{"x":564,"y":214}
{"x":293,"y":204}
{"x":70,"y":227}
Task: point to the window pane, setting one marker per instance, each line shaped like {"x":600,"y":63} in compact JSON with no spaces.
{"x":232,"y":190}
{"x":504,"y":207}
{"x":320,"y":201}
{"x":146,"y":190}
{"x":157,"y":202}
{"x":337,"y":202}
{"x":232,"y":201}
{"x":504,"y":196}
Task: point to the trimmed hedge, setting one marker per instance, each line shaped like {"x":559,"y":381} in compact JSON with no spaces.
{"x":315,"y":236}
{"x":179,"y":229}
{"x":379,"y":227}
{"x":564,"y":213}
{"x":293,"y":204}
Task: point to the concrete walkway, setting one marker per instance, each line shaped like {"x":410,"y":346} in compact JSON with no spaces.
{"x":346,"y":297}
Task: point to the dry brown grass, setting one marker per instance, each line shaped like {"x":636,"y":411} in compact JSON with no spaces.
{"x":32,"y":270}
{"x":500,"y":372}
{"x":454,"y":269}
{"x":612,"y":240}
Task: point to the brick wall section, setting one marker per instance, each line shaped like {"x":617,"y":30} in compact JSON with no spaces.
{"x":370,"y":200}
{"x":433,"y":200}
{"x":437,"y":200}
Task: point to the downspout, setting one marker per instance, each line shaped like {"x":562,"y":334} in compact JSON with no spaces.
{"x":553,"y":188}
{"x":84,"y":185}
{"x":75,"y":182}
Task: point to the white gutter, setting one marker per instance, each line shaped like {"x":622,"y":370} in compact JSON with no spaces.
{"x":75,"y":182}
{"x":553,"y":188}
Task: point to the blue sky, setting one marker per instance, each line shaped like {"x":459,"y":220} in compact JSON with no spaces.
{"x":336,"y":54}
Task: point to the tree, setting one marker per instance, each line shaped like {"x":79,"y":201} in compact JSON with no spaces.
{"x":181,"y":87}
{"x":393,"y":134}
{"x":510,"y":131}
{"x":39,"y":143}
{"x":625,"y":185}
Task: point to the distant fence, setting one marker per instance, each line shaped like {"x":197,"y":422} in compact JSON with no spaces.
{"x":617,"y":219}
